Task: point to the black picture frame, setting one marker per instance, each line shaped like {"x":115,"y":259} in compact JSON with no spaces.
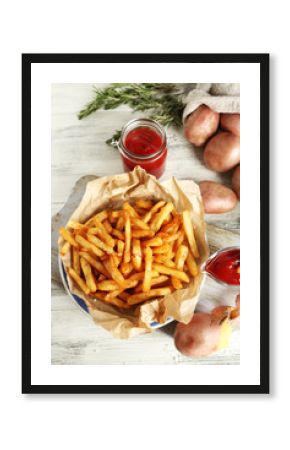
{"x":27,"y":61}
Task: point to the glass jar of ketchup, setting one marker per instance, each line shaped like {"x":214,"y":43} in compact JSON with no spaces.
{"x":143,"y":143}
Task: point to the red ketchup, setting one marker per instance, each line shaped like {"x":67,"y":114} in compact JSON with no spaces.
{"x":143,"y":143}
{"x":225,"y":266}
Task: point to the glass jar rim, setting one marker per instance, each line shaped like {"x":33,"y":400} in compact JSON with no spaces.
{"x":136,"y":123}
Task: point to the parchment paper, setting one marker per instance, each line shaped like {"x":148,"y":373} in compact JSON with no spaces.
{"x":111,"y":192}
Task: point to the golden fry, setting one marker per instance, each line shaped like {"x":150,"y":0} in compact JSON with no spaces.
{"x":171,"y":227}
{"x":127,"y":255}
{"x":154,"y":242}
{"x":167,"y":220}
{"x":76,"y":261}
{"x":138,"y":298}
{"x":65,"y":248}
{"x":138,"y":223}
{"x":120,"y":248}
{"x":168,"y":271}
{"x":140,"y":275}
{"x":100,"y":217}
{"x":95,"y":264}
{"x":114,"y":215}
{"x":76,"y":225}
{"x":136,"y":254}
{"x":87,"y":271}
{"x":154,"y":282}
{"x":191,"y":264}
{"x":68,"y":237}
{"x":142,"y":233}
{"x":118,"y":234}
{"x":108,"y":285}
{"x":126,"y":268}
{"x":145,"y":204}
{"x":114,"y":271}
{"x":98,"y":243}
{"x":165,"y":248}
{"x":132,"y":213}
{"x":179,"y":240}
{"x":163,"y":259}
{"x":148,"y":268}
{"x":101,"y":232}
{"x":89,"y":246}
{"x":153,"y":210}
{"x":79,"y":281}
{"x":117,"y":259}
{"x":120,"y":223}
{"x":180,"y":258}
{"x":161,"y":216}
{"x":117,"y":302}
{"x":119,"y":292}
{"x":107,"y":226}
{"x":188,"y":228}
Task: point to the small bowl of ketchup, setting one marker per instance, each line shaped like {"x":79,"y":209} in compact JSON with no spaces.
{"x":224,"y":266}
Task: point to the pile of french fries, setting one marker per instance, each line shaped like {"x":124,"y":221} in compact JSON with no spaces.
{"x":125,"y":257}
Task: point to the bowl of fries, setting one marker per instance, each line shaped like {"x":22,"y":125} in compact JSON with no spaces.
{"x":133,"y":264}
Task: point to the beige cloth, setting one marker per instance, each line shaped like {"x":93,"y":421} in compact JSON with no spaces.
{"x":221,"y":97}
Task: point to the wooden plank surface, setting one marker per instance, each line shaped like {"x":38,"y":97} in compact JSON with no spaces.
{"x":78,"y":150}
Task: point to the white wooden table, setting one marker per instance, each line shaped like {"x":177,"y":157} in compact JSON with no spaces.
{"x":78,"y":149}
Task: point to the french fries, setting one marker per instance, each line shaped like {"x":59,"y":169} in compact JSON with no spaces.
{"x":180,"y":258}
{"x":79,"y":281}
{"x":148,"y":269}
{"x":68,"y":237}
{"x":188,"y":228}
{"x":136,"y":254}
{"x":168,"y":271}
{"x":125,"y":257}
{"x":76,"y":261}
{"x":89,"y":246}
{"x":144,"y":204}
{"x":138,"y":298}
{"x":192,"y":266}
{"x":87,"y":271}
{"x":161,"y":216}
{"x":65,"y":248}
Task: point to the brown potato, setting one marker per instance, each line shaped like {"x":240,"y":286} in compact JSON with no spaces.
{"x":216,"y":197}
{"x":201,"y":125}
{"x":199,"y":337}
{"x":222,"y":152}
{"x":231,"y":122}
{"x":236,"y":180}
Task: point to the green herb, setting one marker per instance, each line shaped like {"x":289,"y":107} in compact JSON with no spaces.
{"x":162,"y":102}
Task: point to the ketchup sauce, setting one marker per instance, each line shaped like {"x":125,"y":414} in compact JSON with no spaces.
{"x":225,"y":266}
{"x":144,"y":145}
{"x":143,"y":141}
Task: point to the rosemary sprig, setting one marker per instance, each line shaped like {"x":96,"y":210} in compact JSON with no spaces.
{"x":162,"y":101}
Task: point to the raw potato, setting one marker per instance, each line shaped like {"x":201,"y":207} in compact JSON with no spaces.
{"x":203,"y":335}
{"x":201,"y":125}
{"x":236,"y":181}
{"x":231,"y":122}
{"x":222,"y":152}
{"x":216,"y":197}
